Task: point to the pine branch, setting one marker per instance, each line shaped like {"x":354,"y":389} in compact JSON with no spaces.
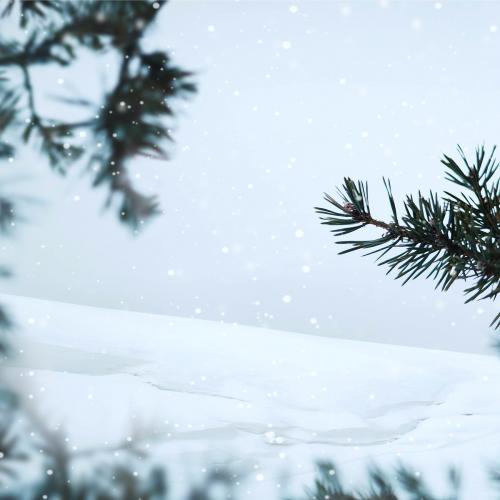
{"x":130,"y":119}
{"x":54,"y":139}
{"x":456,"y":238}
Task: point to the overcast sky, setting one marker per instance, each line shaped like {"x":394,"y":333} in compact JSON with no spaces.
{"x":293,"y":97}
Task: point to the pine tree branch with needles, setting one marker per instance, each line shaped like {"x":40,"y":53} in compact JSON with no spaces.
{"x":132,"y":119}
{"x":455,"y":237}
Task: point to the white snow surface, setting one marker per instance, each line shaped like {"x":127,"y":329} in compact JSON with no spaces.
{"x":267,"y":402}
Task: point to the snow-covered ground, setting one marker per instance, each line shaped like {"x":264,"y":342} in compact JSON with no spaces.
{"x":267,"y":402}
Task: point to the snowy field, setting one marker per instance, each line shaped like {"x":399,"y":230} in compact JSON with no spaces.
{"x":268,"y":403}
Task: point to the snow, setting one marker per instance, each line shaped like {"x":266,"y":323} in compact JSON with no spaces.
{"x":268,"y":402}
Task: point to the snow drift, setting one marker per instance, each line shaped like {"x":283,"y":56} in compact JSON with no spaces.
{"x":267,"y":401}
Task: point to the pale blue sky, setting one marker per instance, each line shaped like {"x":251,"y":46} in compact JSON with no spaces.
{"x":293,"y":96}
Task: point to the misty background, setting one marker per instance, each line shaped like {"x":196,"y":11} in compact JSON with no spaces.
{"x":292,"y":98}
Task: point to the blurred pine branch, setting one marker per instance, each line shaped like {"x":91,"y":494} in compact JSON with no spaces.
{"x":131,"y":119}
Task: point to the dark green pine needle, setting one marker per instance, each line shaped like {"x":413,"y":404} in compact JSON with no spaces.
{"x":449,"y":238}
